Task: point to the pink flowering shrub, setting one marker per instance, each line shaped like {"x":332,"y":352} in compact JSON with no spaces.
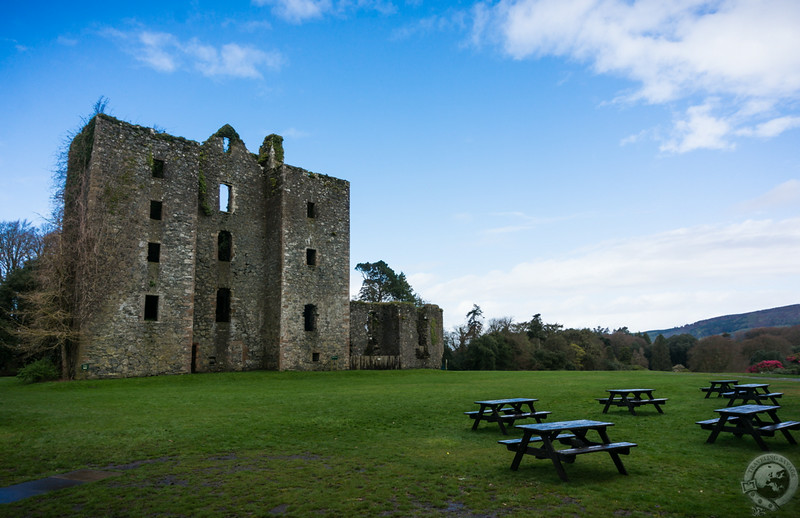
{"x":765,"y":366}
{"x":794,"y":358}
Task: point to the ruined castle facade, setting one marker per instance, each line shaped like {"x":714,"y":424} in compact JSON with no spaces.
{"x":212,"y":258}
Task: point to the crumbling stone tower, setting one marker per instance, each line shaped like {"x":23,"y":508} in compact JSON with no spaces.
{"x":206,"y":257}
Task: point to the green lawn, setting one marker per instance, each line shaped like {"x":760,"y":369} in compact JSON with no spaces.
{"x":373,"y":443}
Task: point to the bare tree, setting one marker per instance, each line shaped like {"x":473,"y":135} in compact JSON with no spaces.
{"x":19,"y":242}
{"x":73,"y":271}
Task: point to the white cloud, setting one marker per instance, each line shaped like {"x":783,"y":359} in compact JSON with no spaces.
{"x":771,"y":128}
{"x":649,"y":282}
{"x":742,"y":51}
{"x":699,"y":130}
{"x":158,"y":49}
{"x":231,"y":60}
{"x":165,"y":52}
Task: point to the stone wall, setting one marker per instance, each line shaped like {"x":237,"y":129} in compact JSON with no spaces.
{"x":231,"y":258}
{"x":315,"y":323}
{"x":117,"y":340}
{"x":395,"y":335}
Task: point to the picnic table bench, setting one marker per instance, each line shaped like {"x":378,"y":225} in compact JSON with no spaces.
{"x":631,"y":398}
{"x":719,"y":387}
{"x":502,"y":411}
{"x":746,"y":420}
{"x":540,"y":440}
{"x":758,"y":393}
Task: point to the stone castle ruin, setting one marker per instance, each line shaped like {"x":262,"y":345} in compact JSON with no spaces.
{"x":212,"y":258}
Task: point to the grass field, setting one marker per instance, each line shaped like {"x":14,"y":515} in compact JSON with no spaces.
{"x":370,"y":443}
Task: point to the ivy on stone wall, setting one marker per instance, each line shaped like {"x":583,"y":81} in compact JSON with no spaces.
{"x":272,"y":143}
{"x":229,"y":133}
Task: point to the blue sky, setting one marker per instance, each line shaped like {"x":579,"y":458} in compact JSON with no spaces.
{"x":600,"y":162}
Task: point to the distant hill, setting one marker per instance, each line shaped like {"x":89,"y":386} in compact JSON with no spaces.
{"x":775,"y":317}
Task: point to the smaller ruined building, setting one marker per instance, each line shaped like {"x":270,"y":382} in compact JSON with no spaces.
{"x":202,"y":257}
{"x":395,"y":336}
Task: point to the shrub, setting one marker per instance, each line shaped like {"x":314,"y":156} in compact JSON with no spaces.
{"x":765,"y":366}
{"x":40,"y":370}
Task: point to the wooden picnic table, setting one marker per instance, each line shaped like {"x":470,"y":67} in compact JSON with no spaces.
{"x":540,"y":441}
{"x":719,"y":387}
{"x":755,"y":420}
{"x":631,"y":398}
{"x":501,"y":411}
{"x":758,"y":393}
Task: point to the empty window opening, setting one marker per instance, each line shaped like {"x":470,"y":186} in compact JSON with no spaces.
{"x":225,"y":197}
{"x":224,"y":246}
{"x":310,"y":317}
{"x":153,"y":252}
{"x":311,"y":210}
{"x":311,"y":257}
{"x":223,"y":305}
{"x":158,"y":168}
{"x":155,"y":210}
{"x":226,"y":144}
{"x":151,"y":307}
{"x":314,"y":357}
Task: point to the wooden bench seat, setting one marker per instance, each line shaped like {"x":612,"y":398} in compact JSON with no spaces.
{"x":772,"y":428}
{"x":708,"y":424}
{"x":619,"y":447}
{"x":524,"y":415}
{"x":513,"y":444}
{"x":760,"y":396}
{"x":636,"y":402}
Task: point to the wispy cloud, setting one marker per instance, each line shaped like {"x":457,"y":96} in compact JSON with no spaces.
{"x":512,"y":222}
{"x":299,"y":11}
{"x":657,"y":280}
{"x":786,"y":194}
{"x":450,"y":20}
{"x":165,"y":52}
{"x":295,"y":133}
{"x":742,"y":53}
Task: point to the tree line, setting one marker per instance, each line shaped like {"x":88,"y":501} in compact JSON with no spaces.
{"x":502,"y":344}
